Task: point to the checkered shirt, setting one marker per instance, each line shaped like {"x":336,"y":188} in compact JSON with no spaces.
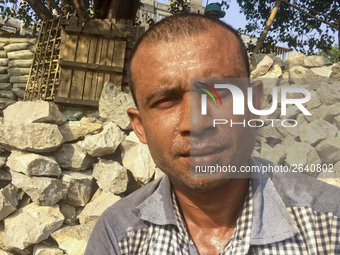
{"x":319,"y":233}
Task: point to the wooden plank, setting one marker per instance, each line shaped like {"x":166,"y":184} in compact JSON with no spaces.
{"x":119,"y":54}
{"x":89,"y":93}
{"x":117,"y":79}
{"x":103,"y":33}
{"x":76,"y":102}
{"x":78,"y":78}
{"x":90,"y":67}
{"x":97,"y":62}
{"x":66,"y":74}
{"x":109,"y":59}
{"x":103,"y":61}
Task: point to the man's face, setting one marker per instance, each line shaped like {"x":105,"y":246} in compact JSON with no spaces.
{"x":161,"y":73}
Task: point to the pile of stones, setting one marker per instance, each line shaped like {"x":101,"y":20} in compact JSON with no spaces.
{"x":16,"y":58}
{"x":315,"y":140}
{"x":58,"y":177}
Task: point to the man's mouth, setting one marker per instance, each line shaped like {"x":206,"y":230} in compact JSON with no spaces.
{"x":203,"y":155}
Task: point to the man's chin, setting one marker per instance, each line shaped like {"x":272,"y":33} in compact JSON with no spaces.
{"x":201,"y":184}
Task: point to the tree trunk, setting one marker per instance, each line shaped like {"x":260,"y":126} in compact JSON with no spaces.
{"x":40,"y":9}
{"x":120,"y":9}
{"x":65,"y":6}
{"x":81,"y":6}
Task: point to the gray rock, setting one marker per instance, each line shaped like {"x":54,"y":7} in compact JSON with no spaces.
{"x":113,"y":105}
{"x":24,"y":137}
{"x":40,"y":249}
{"x":18,"y":79}
{"x":271,"y":134}
{"x":111,"y":176}
{"x":42,"y":190}
{"x":317,"y":131}
{"x":4,"y":78}
{"x":5,"y":102}
{"x":262,"y":68}
{"x":303,"y":155}
{"x":5,"y":176}
{"x":2,"y":252}
{"x":314,"y":101}
{"x":336,"y":122}
{"x":17,"y":46}
{"x":3,"y":160}
{"x":20,"y":54}
{"x":137,"y":159}
{"x":5,"y":86}
{"x":9,"y":198}
{"x":327,"y":94}
{"x":33,"y":112}
{"x":20,"y":63}
{"x":7,"y":94}
{"x":316,"y":61}
{"x":3,"y":70}
{"x":18,"y":92}
{"x":36,"y":224}
{"x":73,"y":156}
{"x":17,"y":71}
{"x":73,"y":239}
{"x":325,"y":112}
{"x":73,"y":130}
{"x":329,"y":150}
{"x":33,"y":164}
{"x":106,"y":142}
{"x":79,"y":187}
{"x":335,"y":71}
{"x":69,"y":213}
{"x":95,"y":208}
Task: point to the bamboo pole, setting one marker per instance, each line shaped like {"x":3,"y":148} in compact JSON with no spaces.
{"x":266,"y":29}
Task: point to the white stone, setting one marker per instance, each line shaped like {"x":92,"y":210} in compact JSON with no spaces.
{"x":262,"y":68}
{"x":79,"y":187}
{"x":316,"y":61}
{"x":294,"y":59}
{"x":73,"y":156}
{"x":40,"y":249}
{"x":72,"y":130}
{"x":111,"y":176}
{"x":319,"y":72}
{"x":329,"y":150}
{"x":275,"y":154}
{"x":36,"y":224}
{"x":113,"y":105}
{"x":317,"y":131}
{"x":95,"y":208}
{"x":9,"y":199}
{"x":33,"y":112}
{"x":33,"y":164}
{"x":105,"y":142}
{"x":73,"y":239}
{"x":34,"y":137}
{"x":137,"y":159}
{"x":42,"y":190}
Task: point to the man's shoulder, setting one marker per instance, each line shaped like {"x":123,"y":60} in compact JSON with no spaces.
{"x":121,"y":214}
{"x":302,"y":190}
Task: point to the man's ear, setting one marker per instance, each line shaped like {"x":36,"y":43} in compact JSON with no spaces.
{"x":136,"y":123}
{"x":257,"y":94}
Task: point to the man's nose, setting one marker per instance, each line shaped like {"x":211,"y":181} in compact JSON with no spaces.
{"x":191,"y":119}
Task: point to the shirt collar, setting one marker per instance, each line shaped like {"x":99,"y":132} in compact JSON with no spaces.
{"x":271,"y":220}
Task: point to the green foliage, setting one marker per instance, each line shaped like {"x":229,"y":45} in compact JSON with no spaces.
{"x":22,"y":12}
{"x":178,"y":6}
{"x":290,"y":25}
{"x":333,"y":54}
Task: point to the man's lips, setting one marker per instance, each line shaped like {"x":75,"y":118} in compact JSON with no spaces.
{"x":203,"y":156}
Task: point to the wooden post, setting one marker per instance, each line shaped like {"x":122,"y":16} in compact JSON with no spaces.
{"x":266,"y":29}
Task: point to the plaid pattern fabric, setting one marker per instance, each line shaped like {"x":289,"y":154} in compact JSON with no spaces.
{"x":319,"y":233}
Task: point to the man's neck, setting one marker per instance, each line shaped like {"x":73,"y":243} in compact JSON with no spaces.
{"x":212,"y":214}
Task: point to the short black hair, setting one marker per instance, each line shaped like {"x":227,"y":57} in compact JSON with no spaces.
{"x":179,"y":26}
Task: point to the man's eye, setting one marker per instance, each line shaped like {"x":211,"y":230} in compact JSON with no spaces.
{"x":166,"y":102}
